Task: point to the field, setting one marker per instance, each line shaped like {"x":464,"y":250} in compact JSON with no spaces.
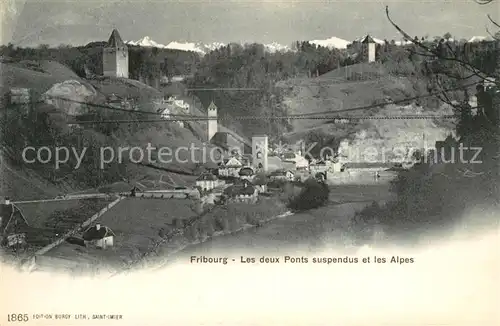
{"x":49,"y":220}
{"x":140,"y":224}
{"x":136,"y":224}
{"x":39,"y":76}
{"x":23,"y":184}
{"x":126,"y":88}
{"x":302,"y":232}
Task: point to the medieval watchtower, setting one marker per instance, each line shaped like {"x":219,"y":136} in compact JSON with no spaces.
{"x":115,"y":57}
{"x":368,"y":47}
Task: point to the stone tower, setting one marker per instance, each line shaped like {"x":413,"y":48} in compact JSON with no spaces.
{"x":260,"y":151}
{"x":212,"y":124}
{"x":115,"y":57}
{"x":368,"y":47}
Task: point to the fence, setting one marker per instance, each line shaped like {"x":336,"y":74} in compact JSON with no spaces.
{"x":78,"y":228}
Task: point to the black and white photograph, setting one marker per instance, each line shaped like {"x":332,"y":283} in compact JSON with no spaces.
{"x":250,"y":162}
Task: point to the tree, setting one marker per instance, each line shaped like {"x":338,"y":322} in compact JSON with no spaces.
{"x":443,"y":195}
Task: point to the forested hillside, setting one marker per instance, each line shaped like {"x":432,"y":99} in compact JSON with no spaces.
{"x":273,"y":78}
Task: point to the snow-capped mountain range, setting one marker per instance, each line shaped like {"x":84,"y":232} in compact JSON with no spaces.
{"x":202,"y":48}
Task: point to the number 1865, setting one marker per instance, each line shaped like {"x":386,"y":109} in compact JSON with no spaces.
{"x":17,"y":317}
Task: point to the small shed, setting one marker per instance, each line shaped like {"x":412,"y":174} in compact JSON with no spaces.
{"x":99,"y":236}
{"x":13,"y":224}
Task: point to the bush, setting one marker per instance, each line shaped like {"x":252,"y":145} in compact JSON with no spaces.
{"x":192,"y":232}
{"x":177,"y":223}
{"x":201,"y":227}
{"x":251,"y":218}
{"x":277,"y":183}
{"x":219,"y":224}
{"x":209,"y":227}
{"x":313,"y":195}
{"x":225,"y":224}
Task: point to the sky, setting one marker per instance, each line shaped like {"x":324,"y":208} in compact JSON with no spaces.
{"x":76,"y":22}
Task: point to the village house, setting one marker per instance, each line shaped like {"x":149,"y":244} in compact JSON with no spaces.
{"x":246,"y":159}
{"x":99,"y":236}
{"x":115,"y":57}
{"x":13,"y":224}
{"x":230,"y":167}
{"x":301,"y":163}
{"x":285,"y":175}
{"x":247,"y":173}
{"x":21,"y":97}
{"x":318,"y":167}
{"x":244,"y":192}
{"x":224,"y":138}
{"x":208,"y":181}
{"x":445,"y":151}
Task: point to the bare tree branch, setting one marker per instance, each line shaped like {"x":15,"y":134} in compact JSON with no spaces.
{"x":478,"y":72}
{"x":483,"y":2}
{"x":493,"y":22}
{"x":494,"y":37}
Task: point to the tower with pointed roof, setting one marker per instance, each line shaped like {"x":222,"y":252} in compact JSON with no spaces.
{"x":368,"y":46}
{"x":115,"y":57}
{"x":212,"y":122}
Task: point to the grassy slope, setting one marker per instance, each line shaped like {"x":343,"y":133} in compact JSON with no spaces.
{"x":136,"y":223}
{"x":22,"y":184}
{"x":375,"y":84}
{"x":20,"y":75}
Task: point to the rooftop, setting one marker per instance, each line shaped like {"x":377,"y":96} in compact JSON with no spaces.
{"x":97,"y":232}
{"x":368,"y":39}
{"x":367,"y":165}
{"x":206,"y":177}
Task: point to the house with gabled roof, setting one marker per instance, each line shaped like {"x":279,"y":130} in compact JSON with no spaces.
{"x":98,"y":236}
{"x":242,"y":192}
{"x":230,"y":167}
{"x":286,"y":175}
{"x":208,"y":181}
